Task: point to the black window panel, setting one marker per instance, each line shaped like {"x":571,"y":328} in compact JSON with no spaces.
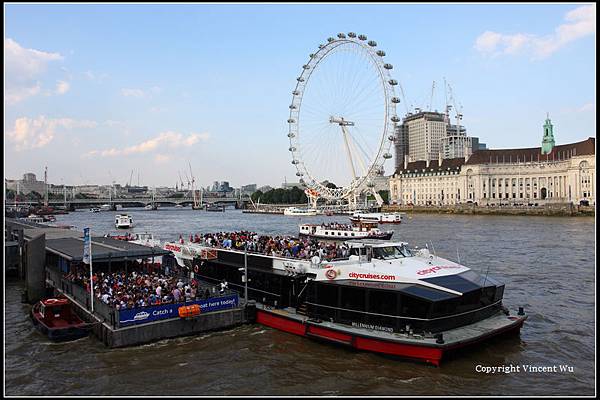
{"x":353,"y":298}
{"x":427,"y":293}
{"x":382,"y":302}
{"x":499,"y":293}
{"x":414,"y":308}
{"x":454,"y":282}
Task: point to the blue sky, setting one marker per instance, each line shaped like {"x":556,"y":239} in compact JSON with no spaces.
{"x":94,"y":91}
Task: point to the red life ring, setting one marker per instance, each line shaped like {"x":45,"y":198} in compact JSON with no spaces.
{"x":331,"y":274}
{"x":51,"y":301}
{"x":196,"y":268}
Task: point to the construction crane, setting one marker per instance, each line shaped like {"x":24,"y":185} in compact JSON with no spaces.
{"x":457,"y":110}
{"x":403,"y":98}
{"x":431,"y":97}
{"x":130,"y":178}
{"x":197,"y":204}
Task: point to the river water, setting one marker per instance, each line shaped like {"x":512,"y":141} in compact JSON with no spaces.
{"x":548,"y":265}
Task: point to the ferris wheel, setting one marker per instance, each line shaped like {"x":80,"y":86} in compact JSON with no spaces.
{"x":342,"y":117}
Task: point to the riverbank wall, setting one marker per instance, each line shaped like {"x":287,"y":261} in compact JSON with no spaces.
{"x":555,"y":210}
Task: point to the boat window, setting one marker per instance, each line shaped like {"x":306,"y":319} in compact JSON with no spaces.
{"x":391,"y":252}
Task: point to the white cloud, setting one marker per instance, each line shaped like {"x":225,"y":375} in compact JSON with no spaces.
{"x":22,"y":69}
{"x":29,"y":133}
{"x":587,"y":107}
{"x":165,"y":139}
{"x":132,"y":93}
{"x":62,"y":87}
{"x":140,"y":93}
{"x":580,"y":22}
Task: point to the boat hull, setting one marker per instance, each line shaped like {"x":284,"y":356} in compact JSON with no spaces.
{"x":428,"y":352}
{"x":62,"y":334}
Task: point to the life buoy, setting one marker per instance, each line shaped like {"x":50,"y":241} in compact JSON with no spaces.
{"x":196,"y":268}
{"x":51,"y":301}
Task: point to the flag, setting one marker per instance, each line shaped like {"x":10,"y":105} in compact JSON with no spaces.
{"x":86,"y":245}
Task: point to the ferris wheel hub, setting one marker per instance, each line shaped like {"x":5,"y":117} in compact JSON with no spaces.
{"x":340,"y":121}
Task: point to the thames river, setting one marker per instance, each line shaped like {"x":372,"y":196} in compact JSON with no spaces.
{"x":547,"y":263}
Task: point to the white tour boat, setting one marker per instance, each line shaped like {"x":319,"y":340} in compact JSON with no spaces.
{"x":382,"y":218}
{"x":336,"y":231}
{"x":123,"y":221}
{"x":382,"y":296}
{"x":299,"y":211}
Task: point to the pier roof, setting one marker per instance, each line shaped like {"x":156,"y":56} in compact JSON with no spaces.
{"x":68,"y":244}
{"x":103,"y":249}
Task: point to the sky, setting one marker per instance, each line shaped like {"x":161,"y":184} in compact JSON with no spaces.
{"x":96,"y":91}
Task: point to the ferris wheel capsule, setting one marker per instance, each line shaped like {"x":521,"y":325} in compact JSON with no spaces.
{"x":393,"y":82}
{"x":395,"y":100}
{"x":306,"y":66}
{"x":296,"y":92}
{"x":388,"y":66}
{"x":330,"y":39}
{"x":294,"y":162}
{"x":292,"y":149}
{"x":293,"y":107}
{"x":372,"y":43}
{"x":291,"y":120}
{"x":362,"y":37}
{"x":380,"y":53}
{"x":300,"y":79}
{"x":351,"y":34}
{"x":391,"y":138}
{"x":387,"y":156}
{"x":395,"y":119}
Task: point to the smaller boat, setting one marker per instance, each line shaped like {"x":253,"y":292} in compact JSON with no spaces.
{"x":126,"y":237}
{"x":295,"y":211}
{"x":105,"y":207}
{"x":335,"y":231}
{"x":94,"y":209}
{"x":151,"y":207}
{"x":36,"y":219}
{"x":382,"y":218}
{"x":215,"y":207}
{"x":56,"y":319}
{"x":178,"y":206}
{"x":123,"y":221}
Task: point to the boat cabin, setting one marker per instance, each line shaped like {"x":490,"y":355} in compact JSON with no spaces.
{"x":56,"y":313}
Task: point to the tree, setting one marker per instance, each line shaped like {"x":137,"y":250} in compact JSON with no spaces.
{"x":385,"y":195}
{"x":256,"y":195}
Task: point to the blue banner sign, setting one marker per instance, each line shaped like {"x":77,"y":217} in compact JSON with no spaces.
{"x":86,"y":245}
{"x":154,"y":313}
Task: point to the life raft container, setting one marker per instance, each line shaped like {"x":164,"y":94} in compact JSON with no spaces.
{"x":189,"y":311}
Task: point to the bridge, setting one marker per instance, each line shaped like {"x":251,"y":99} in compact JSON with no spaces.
{"x":73,"y":203}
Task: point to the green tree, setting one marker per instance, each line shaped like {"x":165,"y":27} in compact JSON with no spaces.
{"x":256,"y":195}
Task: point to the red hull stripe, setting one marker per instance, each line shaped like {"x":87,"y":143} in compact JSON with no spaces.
{"x":281,"y":323}
{"x":329,"y":334}
{"x":431,"y":355}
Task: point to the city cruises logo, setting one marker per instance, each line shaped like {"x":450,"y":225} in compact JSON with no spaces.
{"x":141,"y":316}
{"x":330,"y":274}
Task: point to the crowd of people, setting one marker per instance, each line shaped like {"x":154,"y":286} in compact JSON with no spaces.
{"x":277,"y":246}
{"x":138,"y":289}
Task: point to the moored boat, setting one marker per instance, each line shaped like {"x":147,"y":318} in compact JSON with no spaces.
{"x":381,"y":218}
{"x":56,"y":319}
{"x":123,"y":221}
{"x":299,"y":212}
{"x":336,"y":231}
{"x":382,"y":297}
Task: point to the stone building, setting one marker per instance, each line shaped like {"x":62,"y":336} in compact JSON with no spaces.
{"x":564,"y":174}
